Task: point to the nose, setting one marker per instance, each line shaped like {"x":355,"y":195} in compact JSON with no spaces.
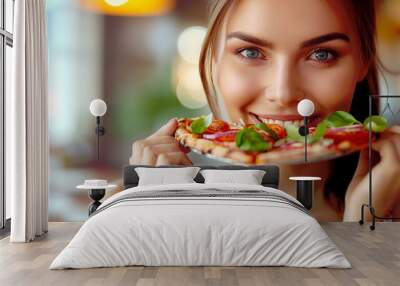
{"x":283,"y":84}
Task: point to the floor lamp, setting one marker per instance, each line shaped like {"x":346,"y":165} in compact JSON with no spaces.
{"x":369,"y":205}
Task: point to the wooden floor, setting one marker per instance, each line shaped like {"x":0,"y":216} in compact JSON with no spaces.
{"x":374,"y":255}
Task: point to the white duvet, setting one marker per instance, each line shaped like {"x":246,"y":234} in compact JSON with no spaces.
{"x":200,"y":231}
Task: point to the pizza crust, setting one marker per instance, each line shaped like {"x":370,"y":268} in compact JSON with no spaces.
{"x":229,"y":152}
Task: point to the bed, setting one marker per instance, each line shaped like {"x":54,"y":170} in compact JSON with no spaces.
{"x":201,"y":224}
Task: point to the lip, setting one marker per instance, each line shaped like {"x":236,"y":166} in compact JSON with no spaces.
{"x":282,"y":117}
{"x":313,"y":120}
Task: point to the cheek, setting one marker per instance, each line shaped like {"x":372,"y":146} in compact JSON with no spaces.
{"x":237,"y":88}
{"x":332,"y":88}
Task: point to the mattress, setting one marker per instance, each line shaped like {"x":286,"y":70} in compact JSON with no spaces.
{"x":201,"y":225}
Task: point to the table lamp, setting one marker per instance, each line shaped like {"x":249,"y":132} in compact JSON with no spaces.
{"x":98,"y":108}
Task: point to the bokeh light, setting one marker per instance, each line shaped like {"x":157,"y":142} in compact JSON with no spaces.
{"x":189,"y":89}
{"x":190,"y":42}
{"x":129,"y":7}
{"x":116,"y":2}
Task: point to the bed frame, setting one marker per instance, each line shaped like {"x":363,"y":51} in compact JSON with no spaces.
{"x":270,"y":179}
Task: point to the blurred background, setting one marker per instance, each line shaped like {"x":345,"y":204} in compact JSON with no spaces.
{"x":140,"y":57}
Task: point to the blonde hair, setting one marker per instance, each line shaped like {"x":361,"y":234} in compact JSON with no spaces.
{"x":217,"y":12}
{"x":363,"y":13}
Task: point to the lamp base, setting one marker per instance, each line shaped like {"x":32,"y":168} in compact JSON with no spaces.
{"x":305,"y":193}
{"x":374,"y":216}
{"x":96,"y":195}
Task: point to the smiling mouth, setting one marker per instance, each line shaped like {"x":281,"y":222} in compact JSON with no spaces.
{"x":283,"y":120}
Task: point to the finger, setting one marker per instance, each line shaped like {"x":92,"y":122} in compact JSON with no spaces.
{"x":394,"y":129}
{"x":148,"y":157}
{"x":175,"y":158}
{"x":168,"y":129}
{"x":137,"y":152}
{"x":362,"y":166}
{"x":166,"y":140}
{"x":178,"y":158}
{"x":157,"y":140}
{"x":162,"y":160}
{"x":387,"y":150}
{"x":165,"y":148}
{"x":396,"y":142}
{"x":139,"y":145}
{"x":387,"y":136}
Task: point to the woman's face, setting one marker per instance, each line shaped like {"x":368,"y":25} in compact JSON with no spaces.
{"x":278,"y":52}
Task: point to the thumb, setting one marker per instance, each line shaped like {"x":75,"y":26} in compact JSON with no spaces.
{"x":362,"y":166}
{"x":363,"y":161}
{"x":168,"y":129}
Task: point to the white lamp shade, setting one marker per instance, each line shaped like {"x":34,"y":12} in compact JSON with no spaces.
{"x":305,"y":107}
{"x":98,"y":107}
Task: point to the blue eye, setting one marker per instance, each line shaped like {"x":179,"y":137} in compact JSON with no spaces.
{"x":250,"y":53}
{"x":323,"y":55}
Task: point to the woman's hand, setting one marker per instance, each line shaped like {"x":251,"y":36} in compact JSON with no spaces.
{"x":161,"y":148}
{"x":385,"y":180}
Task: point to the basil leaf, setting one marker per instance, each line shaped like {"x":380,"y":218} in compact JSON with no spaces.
{"x":341,"y":118}
{"x":319,"y":132}
{"x":292,"y":132}
{"x":201,"y":124}
{"x":250,"y":140}
{"x":271,"y":132}
{"x":378,"y":123}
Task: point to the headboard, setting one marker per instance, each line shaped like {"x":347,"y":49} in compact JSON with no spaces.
{"x":271,"y":177}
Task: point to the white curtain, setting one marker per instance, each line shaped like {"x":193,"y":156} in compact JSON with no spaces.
{"x":27,"y":124}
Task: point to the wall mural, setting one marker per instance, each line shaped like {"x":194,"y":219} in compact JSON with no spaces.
{"x":236,"y":101}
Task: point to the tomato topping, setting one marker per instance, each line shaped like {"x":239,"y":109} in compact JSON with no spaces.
{"x":187,"y":123}
{"x":278,"y":129}
{"x":355,"y":135}
{"x":226,"y":136}
{"x":217,"y":126}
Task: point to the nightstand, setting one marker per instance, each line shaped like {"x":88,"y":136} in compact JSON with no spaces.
{"x":305,"y":190}
{"x":96,"y":190}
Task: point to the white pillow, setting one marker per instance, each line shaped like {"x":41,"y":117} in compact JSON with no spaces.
{"x":249,"y":177}
{"x":162,"y":176}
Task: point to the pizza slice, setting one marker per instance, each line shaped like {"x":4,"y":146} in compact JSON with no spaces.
{"x":258,"y":144}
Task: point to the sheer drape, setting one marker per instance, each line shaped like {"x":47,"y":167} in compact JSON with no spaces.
{"x":27,"y":124}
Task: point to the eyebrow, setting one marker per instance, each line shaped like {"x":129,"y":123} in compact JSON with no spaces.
{"x":312,"y":42}
{"x":325,"y":38}
{"x":248,"y":38}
